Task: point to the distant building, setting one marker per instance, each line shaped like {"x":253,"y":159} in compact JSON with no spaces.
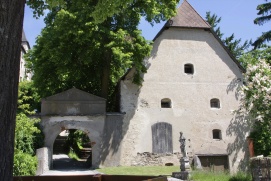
{"x":24,"y":73}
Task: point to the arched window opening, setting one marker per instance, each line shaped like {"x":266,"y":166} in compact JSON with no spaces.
{"x":217,"y":134}
{"x":189,"y":69}
{"x":215,"y":103}
{"x":165,"y":103}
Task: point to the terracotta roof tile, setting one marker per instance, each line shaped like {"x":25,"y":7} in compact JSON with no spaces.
{"x":187,"y":16}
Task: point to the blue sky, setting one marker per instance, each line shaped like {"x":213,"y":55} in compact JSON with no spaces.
{"x":237,"y":17}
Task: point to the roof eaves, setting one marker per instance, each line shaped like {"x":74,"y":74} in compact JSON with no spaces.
{"x":228,"y":51}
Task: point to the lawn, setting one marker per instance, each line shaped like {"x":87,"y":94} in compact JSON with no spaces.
{"x":167,"y":170}
{"x":137,"y":170}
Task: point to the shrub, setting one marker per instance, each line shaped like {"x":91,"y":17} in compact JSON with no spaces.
{"x":24,"y":163}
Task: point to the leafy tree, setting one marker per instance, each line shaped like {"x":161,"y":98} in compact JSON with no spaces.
{"x":253,"y":56}
{"x":256,"y":99}
{"x":28,"y":98}
{"x":28,"y":136}
{"x":13,"y":11}
{"x":25,"y":162}
{"x":234,"y":45}
{"x":264,"y":11}
{"x":74,"y":51}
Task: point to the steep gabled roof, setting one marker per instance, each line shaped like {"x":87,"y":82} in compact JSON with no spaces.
{"x":187,"y":16}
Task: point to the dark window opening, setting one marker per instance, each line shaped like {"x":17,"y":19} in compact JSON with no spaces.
{"x":188,"y":69}
{"x":166,"y":103}
{"x":217,"y":134}
{"x":215,"y":103}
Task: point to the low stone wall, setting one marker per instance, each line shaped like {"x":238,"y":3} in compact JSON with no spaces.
{"x":153,"y":159}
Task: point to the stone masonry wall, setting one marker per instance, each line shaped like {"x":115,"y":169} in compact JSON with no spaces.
{"x":153,"y":159}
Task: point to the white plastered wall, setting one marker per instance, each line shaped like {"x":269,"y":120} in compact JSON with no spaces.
{"x":216,"y":75}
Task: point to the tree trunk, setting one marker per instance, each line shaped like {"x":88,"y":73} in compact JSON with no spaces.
{"x":106,"y":74}
{"x":11,"y":23}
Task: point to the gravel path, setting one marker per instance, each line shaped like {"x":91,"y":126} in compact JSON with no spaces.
{"x":63,"y":165}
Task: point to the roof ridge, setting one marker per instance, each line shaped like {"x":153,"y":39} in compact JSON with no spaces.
{"x":197,"y":13}
{"x":187,"y":16}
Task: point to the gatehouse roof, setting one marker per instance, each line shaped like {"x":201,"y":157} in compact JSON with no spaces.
{"x":74,"y":94}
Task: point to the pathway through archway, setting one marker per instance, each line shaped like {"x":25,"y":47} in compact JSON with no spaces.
{"x":72,"y":151}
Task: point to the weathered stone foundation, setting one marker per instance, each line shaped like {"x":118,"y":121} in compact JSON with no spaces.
{"x":153,"y":159}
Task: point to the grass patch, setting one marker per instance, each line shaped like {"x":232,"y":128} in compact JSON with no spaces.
{"x":209,"y":176}
{"x":219,"y":176}
{"x":137,"y":170}
{"x":167,"y":170}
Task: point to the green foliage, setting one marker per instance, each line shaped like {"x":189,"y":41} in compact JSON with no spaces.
{"x":262,"y":138}
{"x":234,"y":45}
{"x":152,"y":10}
{"x":28,"y":136}
{"x":255,"y":55}
{"x":24,"y":133}
{"x":28,"y":99}
{"x":257,"y":97}
{"x":24,"y":163}
{"x":74,"y":51}
{"x":264,"y":10}
{"x":77,"y":140}
{"x":213,"y":21}
{"x":72,"y":154}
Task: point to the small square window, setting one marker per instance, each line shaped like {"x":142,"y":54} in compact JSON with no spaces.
{"x":217,"y":134}
{"x":215,"y":103}
{"x":188,"y":69}
{"x":166,"y":103}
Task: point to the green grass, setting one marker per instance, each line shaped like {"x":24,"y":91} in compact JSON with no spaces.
{"x":167,"y":170}
{"x":219,"y":176}
{"x":138,"y":170}
{"x":209,"y":176}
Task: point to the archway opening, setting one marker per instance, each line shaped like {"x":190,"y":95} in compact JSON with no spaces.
{"x":72,"y":149}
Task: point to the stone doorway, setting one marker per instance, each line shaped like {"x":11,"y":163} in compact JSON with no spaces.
{"x":72,"y":150}
{"x":74,"y":109}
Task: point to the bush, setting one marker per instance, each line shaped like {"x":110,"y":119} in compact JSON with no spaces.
{"x":24,"y":164}
{"x":26,"y":131}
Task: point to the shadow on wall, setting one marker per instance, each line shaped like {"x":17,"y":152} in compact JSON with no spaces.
{"x":239,"y":128}
{"x":115,"y":129}
{"x":117,"y":124}
{"x":235,"y":85}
